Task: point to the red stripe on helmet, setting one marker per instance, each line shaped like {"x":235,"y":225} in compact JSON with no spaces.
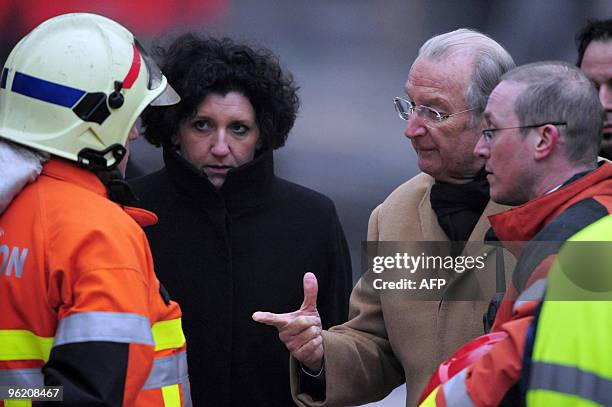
{"x":132,"y":74}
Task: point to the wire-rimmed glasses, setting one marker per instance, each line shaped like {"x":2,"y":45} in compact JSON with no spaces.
{"x":405,"y":108}
{"x":487,"y":134}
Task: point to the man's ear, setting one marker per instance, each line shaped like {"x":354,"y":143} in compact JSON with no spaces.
{"x":549,"y":138}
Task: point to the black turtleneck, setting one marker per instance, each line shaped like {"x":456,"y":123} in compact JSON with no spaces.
{"x":245,"y":187}
{"x":226,"y":253}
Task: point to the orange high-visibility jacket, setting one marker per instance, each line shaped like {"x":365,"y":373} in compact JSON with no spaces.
{"x":80,"y":305}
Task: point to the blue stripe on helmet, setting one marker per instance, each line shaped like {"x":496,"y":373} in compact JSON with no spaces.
{"x":46,"y":91}
{"x":3,"y":80}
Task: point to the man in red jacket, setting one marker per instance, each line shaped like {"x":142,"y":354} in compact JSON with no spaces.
{"x":81,"y":306}
{"x":544,"y":129}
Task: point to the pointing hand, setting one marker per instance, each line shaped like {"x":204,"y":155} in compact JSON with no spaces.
{"x":300,"y":330}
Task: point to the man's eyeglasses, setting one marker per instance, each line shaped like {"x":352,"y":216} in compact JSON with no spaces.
{"x":405,"y":108}
{"x":487,"y":134}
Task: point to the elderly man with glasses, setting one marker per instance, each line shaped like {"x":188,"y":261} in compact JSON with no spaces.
{"x":543,"y":131}
{"x":391,"y":338}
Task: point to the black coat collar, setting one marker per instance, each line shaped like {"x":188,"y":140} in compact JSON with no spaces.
{"x":246,"y":186}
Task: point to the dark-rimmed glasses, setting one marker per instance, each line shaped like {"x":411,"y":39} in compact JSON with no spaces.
{"x":487,"y":134}
{"x":405,"y":108}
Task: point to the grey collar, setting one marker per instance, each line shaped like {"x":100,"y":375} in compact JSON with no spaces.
{"x":18,"y":166}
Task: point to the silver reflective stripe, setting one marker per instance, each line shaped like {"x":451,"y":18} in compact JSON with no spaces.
{"x":571,"y":380}
{"x":186,"y":394}
{"x":168,"y":371}
{"x":535,"y":292}
{"x":105,"y":327}
{"x":455,"y":392}
{"x":21,"y":378}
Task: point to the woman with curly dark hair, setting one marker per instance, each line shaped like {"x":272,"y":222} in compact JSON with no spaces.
{"x":233,"y":238}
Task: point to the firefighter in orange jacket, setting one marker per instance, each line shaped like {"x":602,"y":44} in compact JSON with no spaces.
{"x":81,"y":305}
{"x":544,"y":130}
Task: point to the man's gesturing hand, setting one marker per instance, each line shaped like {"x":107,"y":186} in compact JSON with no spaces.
{"x":300,"y":330}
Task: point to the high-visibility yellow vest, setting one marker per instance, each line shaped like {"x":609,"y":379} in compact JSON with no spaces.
{"x":571,"y":360}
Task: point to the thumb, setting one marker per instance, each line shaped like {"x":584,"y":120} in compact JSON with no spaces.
{"x":311,"y":288}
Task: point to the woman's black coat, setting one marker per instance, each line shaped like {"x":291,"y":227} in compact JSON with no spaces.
{"x":226,"y":253}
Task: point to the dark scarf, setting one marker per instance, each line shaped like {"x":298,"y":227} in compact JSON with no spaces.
{"x":459,"y":206}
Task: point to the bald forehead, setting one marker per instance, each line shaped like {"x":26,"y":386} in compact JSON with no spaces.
{"x":434,"y":72}
{"x":446,"y":78}
{"x":501,"y":101}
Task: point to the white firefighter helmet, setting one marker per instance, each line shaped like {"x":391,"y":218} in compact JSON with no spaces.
{"x":75,"y":86}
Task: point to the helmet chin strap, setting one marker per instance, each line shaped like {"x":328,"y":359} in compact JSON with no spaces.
{"x":95,"y":160}
{"x":118,"y":190}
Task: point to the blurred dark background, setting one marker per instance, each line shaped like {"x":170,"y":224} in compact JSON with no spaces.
{"x":350,"y":57}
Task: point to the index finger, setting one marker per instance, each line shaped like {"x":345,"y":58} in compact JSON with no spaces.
{"x":269,"y":318}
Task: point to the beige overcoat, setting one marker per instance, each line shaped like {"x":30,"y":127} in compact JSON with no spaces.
{"x":390,"y":339}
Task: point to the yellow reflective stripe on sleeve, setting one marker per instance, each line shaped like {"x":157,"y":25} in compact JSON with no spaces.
{"x":19,"y":344}
{"x":430,"y":401}
{"x":17,"y":403}
{"x":171,"y":395}
{"x":168,"y":334}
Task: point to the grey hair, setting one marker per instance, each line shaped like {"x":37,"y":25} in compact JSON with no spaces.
{"x":490,"y":61}
{"x":560,"y":92}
